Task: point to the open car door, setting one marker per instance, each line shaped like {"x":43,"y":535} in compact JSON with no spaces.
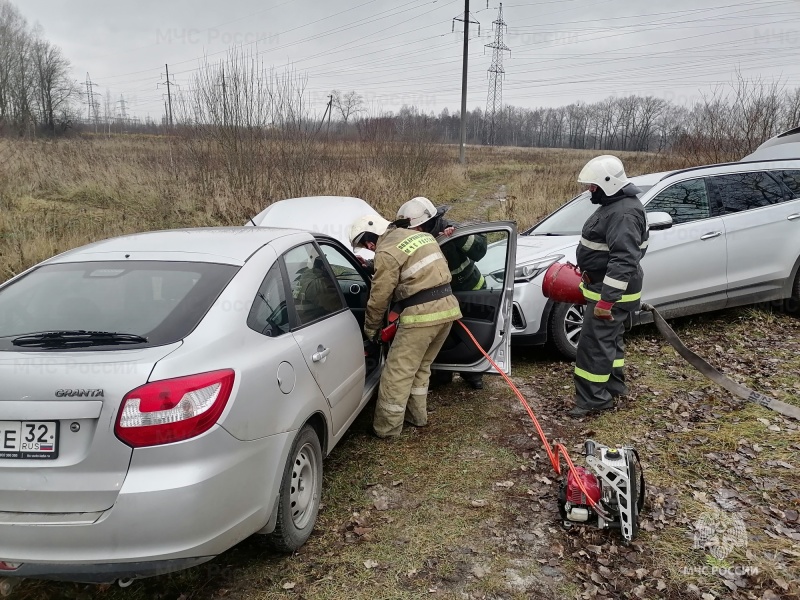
{"x":485,"y":300}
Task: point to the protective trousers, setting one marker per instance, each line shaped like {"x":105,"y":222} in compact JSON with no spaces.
{"x":403,"y":394}
{"x":599,"y":365}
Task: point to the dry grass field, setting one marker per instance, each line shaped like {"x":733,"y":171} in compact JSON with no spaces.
{"x":465,"y":508}
{"x":58,"y":195}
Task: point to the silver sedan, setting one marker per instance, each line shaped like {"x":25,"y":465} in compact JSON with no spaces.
{"x":168,"y":394}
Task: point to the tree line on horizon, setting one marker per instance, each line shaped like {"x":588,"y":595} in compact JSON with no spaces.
{"x":38,"y":97}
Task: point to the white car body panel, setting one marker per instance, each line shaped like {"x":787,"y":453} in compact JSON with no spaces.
{"x":752,"y":263}
{"x":672,"y":271}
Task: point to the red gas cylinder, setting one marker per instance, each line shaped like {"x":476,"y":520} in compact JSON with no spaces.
{"x":561,"y":284}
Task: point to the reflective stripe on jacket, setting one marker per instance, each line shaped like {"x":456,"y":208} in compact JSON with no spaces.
{"x":613,"y":241}
{"x":408,"y":262}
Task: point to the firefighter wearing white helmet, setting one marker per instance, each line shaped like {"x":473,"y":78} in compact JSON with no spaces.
{"x":461,"y":255}
{"x":364,"y":233}
{"x":418,"y":210}
{"x":412,"y":273}
{"x":613,"y":241}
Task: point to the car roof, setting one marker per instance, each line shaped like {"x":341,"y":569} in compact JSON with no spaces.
{"x":736,"y":167}
{"x":231,"y":245}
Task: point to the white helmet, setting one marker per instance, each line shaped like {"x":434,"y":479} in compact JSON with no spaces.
{"x":419,"y":210}
{"x":605,"y":172}
{"x":367,"y":224}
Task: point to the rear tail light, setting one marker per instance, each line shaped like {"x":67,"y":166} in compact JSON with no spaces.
{"x":9,"y":566}
{"x":173,"y":410}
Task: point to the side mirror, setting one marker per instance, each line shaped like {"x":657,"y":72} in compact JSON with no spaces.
{"x":659,"y":220}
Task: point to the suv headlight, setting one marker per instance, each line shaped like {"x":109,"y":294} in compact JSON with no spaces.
{"x":528,"y":271}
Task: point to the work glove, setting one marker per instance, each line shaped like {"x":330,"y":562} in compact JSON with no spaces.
{"x":602,"y":310}
{"x":371,"y":334}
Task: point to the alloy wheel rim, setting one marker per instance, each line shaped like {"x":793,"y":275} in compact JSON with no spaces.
{"x":573,"y":322}
{"x":303,"y":491}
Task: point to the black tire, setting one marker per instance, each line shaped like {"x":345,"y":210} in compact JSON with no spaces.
{"x":300,"y":493}
{"x":793,"y":304}
{"x":564,"y":326}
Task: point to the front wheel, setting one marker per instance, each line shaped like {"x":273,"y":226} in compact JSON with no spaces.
{"x":564,"y":328}
{"x":300,"y":493}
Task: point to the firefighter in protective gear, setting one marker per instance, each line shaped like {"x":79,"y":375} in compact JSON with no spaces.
{"x":613,"y":241}
{"x":410,"y":270}
{"x":461,"y":255}
{"x":364,"y":233}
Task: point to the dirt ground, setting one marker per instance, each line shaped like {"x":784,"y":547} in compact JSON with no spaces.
{"x":466,"y":507}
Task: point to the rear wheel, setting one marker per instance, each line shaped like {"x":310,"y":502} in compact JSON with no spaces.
{"x":564,"y":328}
{"x":300,"y":493}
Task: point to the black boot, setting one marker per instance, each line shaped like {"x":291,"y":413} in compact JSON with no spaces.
{"x":473,"y":380}
{"x":439,"y":379}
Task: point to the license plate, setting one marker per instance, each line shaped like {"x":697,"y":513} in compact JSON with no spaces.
{"x":29,"y":439}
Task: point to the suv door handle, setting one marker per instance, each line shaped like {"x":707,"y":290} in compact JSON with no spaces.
{"x":320,"y":354}
{"x":711,"y":235}
{"x":793,"y":217}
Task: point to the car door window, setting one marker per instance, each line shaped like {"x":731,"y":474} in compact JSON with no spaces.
{"x":269,"y":314}
{"x":314,"y":292}
{"x":791,"y":179}
{"x":745,"y":191}
{"x":685,"y":201}
{"x":352,"y":283}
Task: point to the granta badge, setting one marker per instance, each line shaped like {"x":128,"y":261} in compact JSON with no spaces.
{"x":79,"y":393}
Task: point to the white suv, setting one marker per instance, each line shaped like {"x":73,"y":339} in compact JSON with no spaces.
{"x":721,"y":236}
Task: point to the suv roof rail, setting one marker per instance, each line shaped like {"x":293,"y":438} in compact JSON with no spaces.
{"x":789,"y":132}
{"x":726,"y":164}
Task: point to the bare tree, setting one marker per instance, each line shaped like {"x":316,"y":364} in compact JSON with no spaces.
{"x":349,"y":104}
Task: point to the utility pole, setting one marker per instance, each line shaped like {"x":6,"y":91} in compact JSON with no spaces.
{"x":169,"y":83}
{"x":328,"y":111}
{"x":169,"y":95}
{"x":466,"y":20}
{"x":494,"y":98}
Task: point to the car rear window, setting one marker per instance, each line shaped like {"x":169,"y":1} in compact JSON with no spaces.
{"x":161,"y":301}
{"x":745,"y":191}
{"x":791,"y":179}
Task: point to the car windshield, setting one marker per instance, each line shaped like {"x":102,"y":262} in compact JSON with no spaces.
{"x":161,"y":302}
{"x":569,"y":219}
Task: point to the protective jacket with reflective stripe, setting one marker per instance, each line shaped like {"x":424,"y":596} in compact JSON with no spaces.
{"x":461,"y":255}
{"x":408,"y":262}
{"x":613,"y":241}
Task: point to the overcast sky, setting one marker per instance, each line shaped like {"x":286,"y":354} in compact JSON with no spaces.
{"x":404,"y":52}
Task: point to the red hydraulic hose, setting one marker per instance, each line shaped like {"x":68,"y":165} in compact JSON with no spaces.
{"x":554,"y":450}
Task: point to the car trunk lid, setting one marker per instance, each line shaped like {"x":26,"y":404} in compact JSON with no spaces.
{"x":58,"y":451}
